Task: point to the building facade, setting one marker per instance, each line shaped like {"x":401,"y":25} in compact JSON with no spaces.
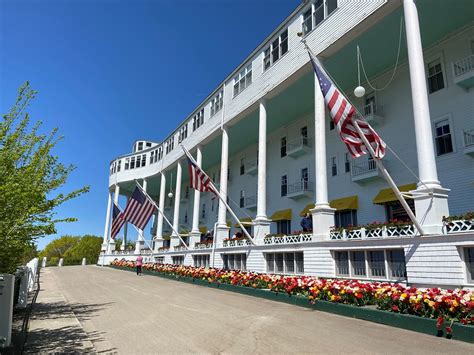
{"x":266,"y":139}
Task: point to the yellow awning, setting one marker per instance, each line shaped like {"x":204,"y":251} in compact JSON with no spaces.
{"x":345,"y":203}
{"x":306,"y":209}
{"x":167,"y":237}
{"x":229,"y":223}
{"x":281,"y":215}
{"x":203,"y":229}
{"x":247,"y":221}
{"x":184,"y":233}
{"x":387,"y":195}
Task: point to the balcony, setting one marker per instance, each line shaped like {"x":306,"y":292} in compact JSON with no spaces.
{"x":468,"y":139}
{"x":251,"y":167}
{"x":463,"y":72}
{"x":300,"y":189}
{"x":251,"y":202}
{"x":298,"y":147}
{"x":372,"y":113}
{"x":365,"y":171}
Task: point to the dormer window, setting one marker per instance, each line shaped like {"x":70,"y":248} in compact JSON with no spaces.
{"x":275,"y":50}
{"x":198,"y":119}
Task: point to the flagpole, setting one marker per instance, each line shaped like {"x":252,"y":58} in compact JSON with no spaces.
{"x":159,"y":210}
{"x":214,"y":243}
{"x":378,"y":162}
{"x":247,"y":235}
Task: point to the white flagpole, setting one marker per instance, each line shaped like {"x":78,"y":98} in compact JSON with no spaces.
{"x":247,"y":235}
{"x":378,"y":162}
{"x":160,"y":211}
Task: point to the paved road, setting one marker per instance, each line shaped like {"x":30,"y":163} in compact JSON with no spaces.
{"x":137,"y":315}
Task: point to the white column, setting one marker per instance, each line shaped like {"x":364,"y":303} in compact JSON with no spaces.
{"x":432,"y":204}
{"x":140,"y":238}
{"x":161,"y":204}
{"x":125,"y":235}
{"x":116,"y":200}
{"x":322,"y":213}
{"x":107,"y":223}
{"x":195,"y":235}
{"x":261,"y":224}
{"x":177,"y":196}
{"x":222,"y":229}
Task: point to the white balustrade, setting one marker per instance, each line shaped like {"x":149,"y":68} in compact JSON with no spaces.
{"x":463,"y":66}
{"x":288,"y":239}
{"x":459,"y":226}
{"x":407,"y":230}
{"x":468,"y":138}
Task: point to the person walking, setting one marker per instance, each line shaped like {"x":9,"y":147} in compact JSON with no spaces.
{"x":139,"y":264}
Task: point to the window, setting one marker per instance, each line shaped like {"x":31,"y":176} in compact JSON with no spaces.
{"x":201,"y":260}
{"x":358,"y":263}
{"x":140,"y":146}
{"x":242,"y":167}
{"x":217,"y":102}
{"x":342,"y":263}
{"x":304,"y":178}
{"x":444,"y":143}
{"x":347,"y":163}
{"x":143,"y":159}
{"x":183,"y":133}
{"x":333,"y":166}
{"x":148,"y":144}
{"x":160,"y":153}
{"x":435,"y":76}
{"x":396,"y":264}
{"x":198,"y":119}
{"x":320,"y":10}
{"x":118,"y":165}
{"x":132,"y":163}
{"x":243,"y":79}
{"x":284,"y":185}
{"x":127,"y":163}
{"x":369,"y":108}
{"x":152,"y":156}
{"x":469,"y":255}
{"x":186,"y":192}
{"x":284,"y":226}
{"x":304,"y":135}
{"x":376,"y":263}
{"x":283,"y":147}
{"x":275,"y":50}
{"x":242,"y":199}
{"x":287,"y":263}
{"x":178,"y":260}
{"x":203,"y":211}
{"x":169,"y":145}
{"x":331,"y":125}
{"x":235,"y":261}
{"x":185,"y":219}
{"x":395,"y":210}
{"x":345,"y":218}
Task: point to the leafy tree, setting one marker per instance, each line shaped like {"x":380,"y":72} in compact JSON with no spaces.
{"x":88,"y":247}
{"x":60,"y":246}
{"x":29,"y":178}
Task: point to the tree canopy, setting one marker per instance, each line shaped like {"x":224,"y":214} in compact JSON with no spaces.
{"x":30,"y":176}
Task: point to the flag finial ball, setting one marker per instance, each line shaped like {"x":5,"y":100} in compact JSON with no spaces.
{"x":170,"y":195}
{"x":359,"y":91}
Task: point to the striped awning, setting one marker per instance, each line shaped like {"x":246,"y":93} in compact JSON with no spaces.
{"x":282,"y":215}
{"x":387,"y":195}
{"x":245,"y":222}
{"x":345,"y":203}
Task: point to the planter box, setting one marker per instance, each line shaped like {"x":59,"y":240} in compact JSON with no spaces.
{"x":405,"y":321}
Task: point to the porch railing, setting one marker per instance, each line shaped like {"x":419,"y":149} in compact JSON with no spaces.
{"x":383,"y":232}
{"x":363,"y":168}
{"x":463,"y":66}
{"x":370,"y":109}
{"x":459,"y":226}
{"x":288,"y":239}
{"x":301,"y":186}
{"x":300,"y":142}
{"x":468,"y":137}
{"x":235,"y":243}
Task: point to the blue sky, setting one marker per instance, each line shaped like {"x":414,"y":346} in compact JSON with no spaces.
{"x":109,"y":72}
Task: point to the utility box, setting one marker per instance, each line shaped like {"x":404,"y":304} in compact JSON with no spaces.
{"x":6,"y":309}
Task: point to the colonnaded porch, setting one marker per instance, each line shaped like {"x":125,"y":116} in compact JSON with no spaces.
{"x":121,"y":312}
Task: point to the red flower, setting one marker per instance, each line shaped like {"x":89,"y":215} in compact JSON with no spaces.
{"x":395,"y":308}
{"x":449,"y":330}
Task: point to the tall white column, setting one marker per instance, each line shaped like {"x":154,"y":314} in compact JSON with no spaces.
{"x":161,"y":204}
{"x":125,"y":236}
{"x":431,"y":202}
{"x":177,"y":196}
{"x":116,"y":200}
{"x":322,"y":213}
{"x":261,"y":224}
{"x":222,"y":229}
{"x":195,"y":235}
{"x":107,"y":223}
{"x":140,"y":238}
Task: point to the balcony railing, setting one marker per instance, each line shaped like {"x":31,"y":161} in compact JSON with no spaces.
{"x":203,"y":246}
{"x":363,"y":168}
{"x":288,"y":239}
{"x":384,"y":232}
{"x":179,"y":248}
{"x":235,"y":243}
{"x":300,"y":189}
{"x":463,"y":66}
{"x":372,"y":113}
{"x":459,"y":226}
{"x":251,"y":202}
{"x":298,"y":146}
{"x":251,"y":167}
{"x":468,"y":140}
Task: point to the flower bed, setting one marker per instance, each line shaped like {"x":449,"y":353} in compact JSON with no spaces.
{"x":449,"y":305}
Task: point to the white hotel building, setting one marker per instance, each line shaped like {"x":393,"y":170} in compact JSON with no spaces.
{"x":255,"y":136}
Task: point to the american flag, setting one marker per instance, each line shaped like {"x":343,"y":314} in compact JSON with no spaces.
{"x":341,"y":112}
{"x":118,"y":221}
{"x":139,"y":209}
{"x":198,"y":179}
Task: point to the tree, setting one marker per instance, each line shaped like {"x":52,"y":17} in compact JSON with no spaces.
{"x":88,"y":247}
{"x":30,"y":176}
{"x":60,"y":246}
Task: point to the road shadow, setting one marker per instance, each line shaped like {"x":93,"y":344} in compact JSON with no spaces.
{"x":60,"y":309}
